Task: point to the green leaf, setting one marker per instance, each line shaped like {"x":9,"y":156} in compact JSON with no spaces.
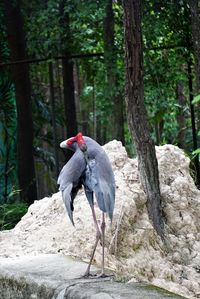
{"x":196,"y":152}
{"x":196,"y":99}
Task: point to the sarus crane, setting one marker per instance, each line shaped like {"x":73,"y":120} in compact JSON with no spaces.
{"x":89,"y":166}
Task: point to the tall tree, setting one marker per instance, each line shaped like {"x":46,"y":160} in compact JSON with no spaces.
{"x":114,"y":93}
{"x":8,"y":122}
{"x":67,"y":69}
{"x":137,"y":117}
{"x":20,"y":75}
{"x":181,"y":120}
{"x":195,"y":22}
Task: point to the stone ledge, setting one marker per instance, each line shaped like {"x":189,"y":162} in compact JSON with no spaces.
{"x":52,"y":276}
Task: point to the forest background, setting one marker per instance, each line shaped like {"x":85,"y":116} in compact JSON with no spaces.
{"x":62,"y":71}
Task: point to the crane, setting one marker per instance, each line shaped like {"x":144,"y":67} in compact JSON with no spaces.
{"x":89,"y":166}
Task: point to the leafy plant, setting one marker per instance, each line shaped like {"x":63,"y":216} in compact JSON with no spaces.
{"x":11,"y":213}
{"x":8,"y":138}
{"x":196,"y":153}
{"x":196,"y":99}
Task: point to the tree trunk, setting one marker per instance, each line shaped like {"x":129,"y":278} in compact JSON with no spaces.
{"x":192,"y":113}
{"x":195,"y":22}
{"x":53,"y":117}
{"x":77,"y":94}
{"x":20,"y":75}
{"x":181,"y":100}
{"x":113,"y":93}
{"x":69,"y":99}
{"x":137,"y":117}
{"x":67,"y":70}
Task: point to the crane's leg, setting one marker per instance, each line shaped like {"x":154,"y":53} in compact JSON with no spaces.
{"x":103,"y":226}
{"x":98,"y":237}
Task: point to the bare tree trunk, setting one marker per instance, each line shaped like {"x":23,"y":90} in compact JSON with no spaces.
{"x":94,"y":110}
{"x":68,"y":78}
{"x":77,"y":94}
{"x":159,"y":125}
{"x":192,"y":113}
{"x":53,"y":117}
{"x":20,"y":74}
{"x":195,"y":22}
{"x":61,"y":129}
{"x":112,"y":79}
{"x":181,"y":100}
{"x":69,"y":99}
{"x":137,"y":117}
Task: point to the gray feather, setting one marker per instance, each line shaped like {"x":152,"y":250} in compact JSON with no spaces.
{"x":70,"y":180}
{"x":99,"y":177}
{"x":66,"y":194}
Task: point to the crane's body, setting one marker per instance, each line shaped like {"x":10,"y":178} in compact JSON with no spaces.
{"x":90,"y":167}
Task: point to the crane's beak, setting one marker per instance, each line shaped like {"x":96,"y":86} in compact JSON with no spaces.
{"x":63,"y":144}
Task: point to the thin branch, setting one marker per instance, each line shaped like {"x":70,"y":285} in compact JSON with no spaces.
{"x":36,"y":60}
{"x":87,"y":55}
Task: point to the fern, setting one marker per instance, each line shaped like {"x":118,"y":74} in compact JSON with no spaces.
{"x":7,"y":138}
{"x":10,"y":214}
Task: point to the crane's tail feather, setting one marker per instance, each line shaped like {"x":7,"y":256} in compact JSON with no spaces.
{"x":105,"y":196}
{"x":66,"y":194}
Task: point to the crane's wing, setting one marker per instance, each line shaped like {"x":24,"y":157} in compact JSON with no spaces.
{"x":89,"y":180}
{"x":66,"y":194}
{"x":99,"y":178}
{"x":70,"y":181}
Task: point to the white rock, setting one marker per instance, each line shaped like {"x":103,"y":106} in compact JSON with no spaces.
{"x":132,"y":247}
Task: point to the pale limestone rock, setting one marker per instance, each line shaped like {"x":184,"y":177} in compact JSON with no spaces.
{"x":133,"y":249}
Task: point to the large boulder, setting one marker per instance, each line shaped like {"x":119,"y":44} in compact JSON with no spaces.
{"x":133,"y":249}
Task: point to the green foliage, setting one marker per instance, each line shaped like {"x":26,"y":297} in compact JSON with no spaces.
{"x":42,"y":28}
{"x":46,"y":156}
{"x":8,"y":122}
{"x":167,"y":44}
{"x":164,"y":67}
{"x":8,"y":138}
{"x":196,"y":99}
{"x":196,"y":153}
{"x":165,"y":24}
{"x":11,"y":214}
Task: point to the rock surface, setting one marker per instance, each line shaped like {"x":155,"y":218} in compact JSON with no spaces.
{"x":133,"y":250}
{"x":51,"y":276}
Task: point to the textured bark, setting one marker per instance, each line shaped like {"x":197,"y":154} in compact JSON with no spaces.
{"x":67,"y":71}
{"x":159,"y":125}
{"x":181,"y":100}
{"x":192,"y":113}
{"x":111,"y":68}
{"x":137,"y":117}
{"x":77,"y":89}
{"x":69,"y":99}
{"x":195,"y":22}
{"x":53,"y":117}
{"x":20,"y":75}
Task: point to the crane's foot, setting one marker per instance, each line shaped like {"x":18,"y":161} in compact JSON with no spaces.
{"x":89,"y":275}
{"x":103,"y":275}
{"x":96,"y":275}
